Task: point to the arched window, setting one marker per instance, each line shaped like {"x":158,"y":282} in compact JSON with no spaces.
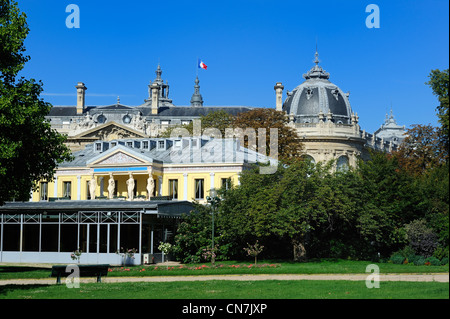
{"x":309,"y":158}
{"x":342,"y":163}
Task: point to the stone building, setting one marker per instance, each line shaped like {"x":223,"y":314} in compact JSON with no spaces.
{"x":323,"y":117}
{"x":84,"y":124}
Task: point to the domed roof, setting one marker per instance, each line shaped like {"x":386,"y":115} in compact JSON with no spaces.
{"x":317,"y":95}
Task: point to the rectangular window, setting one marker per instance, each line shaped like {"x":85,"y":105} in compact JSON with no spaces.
{"x":199,"y":188}
{"x":93,"y":238}
{"x":129,"y":236}
{"x":11,"y":237}
{"x":43,"y":191}
{"x":145,"y":145}
{"x":68,"y":237}
{"x":103,"y":238}
{"x":173,"y":188}
{"x":67,"y":189}
{"x":49,"y":237}
{"x":160,"y":144}
{"x":226,"y":183}
{"x":30,"y":240}
{"x":98,"y":146}
{"x":130,"y":144}
{"x":113,"y":238}
{"x":88,"y":193}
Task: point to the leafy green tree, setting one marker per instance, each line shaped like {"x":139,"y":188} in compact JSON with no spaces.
{"x":439,"y":82}
{"x":194,"y":236}
{"x":29,"y":148}
{"x":422,"y":149}
{"x":289,"y":148}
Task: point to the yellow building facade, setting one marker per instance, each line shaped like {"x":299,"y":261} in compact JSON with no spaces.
{"x":175,"y":169}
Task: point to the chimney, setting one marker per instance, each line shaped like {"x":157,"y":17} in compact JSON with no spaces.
{"x":155,"y":97}
{"x":279,"y":96}
{"x":81,"y":92}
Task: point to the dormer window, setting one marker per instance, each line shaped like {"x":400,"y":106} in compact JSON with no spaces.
{"x":335,"y":93}
{"x":161,"y":145}
{"x":113,"y":144}
{"x":309,"y":93}
{"x":145,"y":145}
{"x":130,"y":144}
{"x":98,"y":147}
{"x":177,"y":144}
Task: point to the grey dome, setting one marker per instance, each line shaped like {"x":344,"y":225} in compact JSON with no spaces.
{"x":317,"y":95}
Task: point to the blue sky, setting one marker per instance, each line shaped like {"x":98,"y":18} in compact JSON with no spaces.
{"x":248,"y":45}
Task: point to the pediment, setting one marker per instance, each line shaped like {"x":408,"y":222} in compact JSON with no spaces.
{"x":108,"y":132}
{"x":119,"y":158}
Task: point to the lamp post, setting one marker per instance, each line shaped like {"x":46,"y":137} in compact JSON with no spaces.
{"x":213,"y":200}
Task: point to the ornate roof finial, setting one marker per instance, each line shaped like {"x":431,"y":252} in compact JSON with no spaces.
{"x":196,"y":99}
{"x":316,"y":71}
{"x":118,"y":100}
{"x":158,"y":72}
{"x":316,"y":55}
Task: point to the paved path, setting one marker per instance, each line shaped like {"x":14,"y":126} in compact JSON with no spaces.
{"x":438,"y":277}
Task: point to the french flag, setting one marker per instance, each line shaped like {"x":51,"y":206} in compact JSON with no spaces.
{"x":202,"y":65}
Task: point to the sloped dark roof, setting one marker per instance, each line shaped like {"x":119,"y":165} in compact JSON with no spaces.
{"x":63,"y":111}
{"x":175,"y":111}
{"x":195,"y":111}
{"x":169,"y":208}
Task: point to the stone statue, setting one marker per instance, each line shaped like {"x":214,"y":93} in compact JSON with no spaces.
{"x":111,"y":186}
{"x":130,"y":185}
{"x":92,"y":186}
{"x":150,"y":186}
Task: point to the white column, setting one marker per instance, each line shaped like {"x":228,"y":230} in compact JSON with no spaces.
{"x":55,"y":187}
{"x":160,"y":180}
{"x":78,"y":187}
{"x":185,"y":186}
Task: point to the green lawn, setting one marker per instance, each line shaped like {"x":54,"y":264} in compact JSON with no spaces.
{"x":270,"y":289}
{"x":235,"y":267}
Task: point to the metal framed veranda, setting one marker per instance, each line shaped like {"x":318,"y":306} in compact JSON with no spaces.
{"x":48,"y":232}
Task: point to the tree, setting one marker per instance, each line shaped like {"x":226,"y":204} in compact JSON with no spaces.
{"x":439,"y":81}
{"x":289,"y":144}
{"x":29,"y":148}
{"x":422,"y":149}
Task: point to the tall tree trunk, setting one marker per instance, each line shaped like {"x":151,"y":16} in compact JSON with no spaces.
{"x":299,"y":249}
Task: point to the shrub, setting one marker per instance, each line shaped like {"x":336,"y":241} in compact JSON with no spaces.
{"x":397,"y":259}
{"x":417,"y":260}
{"x":421,"y":238}
{"x":441,"y":252}
{"x":433,"y":261}
{"x":444,"y":261}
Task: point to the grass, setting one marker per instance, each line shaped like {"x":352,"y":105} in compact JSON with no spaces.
{"x":235,"y":267}
{"x":216,"y":289}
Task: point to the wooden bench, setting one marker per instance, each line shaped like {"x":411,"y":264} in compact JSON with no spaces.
{"x":84,"y":271}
